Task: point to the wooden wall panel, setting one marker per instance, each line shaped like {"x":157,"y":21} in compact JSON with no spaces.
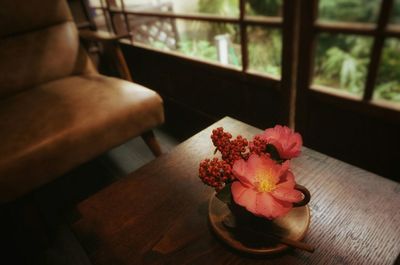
{"x":354,"y":137}
{"x":196,"y":95}
{"x":211,"y":92}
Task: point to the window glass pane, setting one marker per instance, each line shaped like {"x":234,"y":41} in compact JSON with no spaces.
{"x":264,"y":7}
{"x":215,"y":7}
{"x":341,"y":62}
{"x":211,"y":41}
{"x":265,"y":50}
{"x":157,"y":32}
{"x":349,"y":10}
{"x":94,"y":3}
{"x":388,"y":79}
{"x":396,"y":12}
{"x":217,"y":42}
{"x":99,"y":19}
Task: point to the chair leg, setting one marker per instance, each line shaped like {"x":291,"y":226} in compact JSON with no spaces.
{"x":151,"y":141}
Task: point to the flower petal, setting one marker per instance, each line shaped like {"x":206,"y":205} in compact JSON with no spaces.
{"x":287,"y":181}
{"x":243,"y":172}
{"x":272,"y":132}
{"x":287,"y":142}
{"x":269,"y":207}
{"x":244,"y":196}
{"x":254,"y":162}
{"x":283,"y":170}
{"x":265,"y":164}
{"x":287,"y":194}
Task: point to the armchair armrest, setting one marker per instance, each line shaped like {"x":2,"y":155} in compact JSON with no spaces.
{"x":102,"y":36}
{"x":111,"y":48}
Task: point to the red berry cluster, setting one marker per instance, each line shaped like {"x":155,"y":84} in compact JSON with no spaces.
{"x":258,"y":146}
{"x":231,"y":150}
{"x":215,"y":173}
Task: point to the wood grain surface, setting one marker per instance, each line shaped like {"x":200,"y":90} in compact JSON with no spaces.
{"x":158,"y":214}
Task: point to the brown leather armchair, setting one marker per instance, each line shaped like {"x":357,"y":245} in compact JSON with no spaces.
{"x":56,"y":111}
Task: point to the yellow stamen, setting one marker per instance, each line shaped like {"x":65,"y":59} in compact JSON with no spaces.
{"x":264,"y":182}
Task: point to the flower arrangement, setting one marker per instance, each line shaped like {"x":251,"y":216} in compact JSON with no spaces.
{"x":255,"y":174}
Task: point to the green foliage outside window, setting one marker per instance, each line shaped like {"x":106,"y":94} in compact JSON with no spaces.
{"x":264,"y":45}
{"x":264,"y":7}
{"x":202,"y":49}
{"x":349,"y":10}
{"x":396,"y":12}
{"x":342,"y":61}
{"x":199,"y":41}
{"x":223,"y":8}
{"x":265,"y":50}
{"x":388,"y":79}
{"x":220,"y":7}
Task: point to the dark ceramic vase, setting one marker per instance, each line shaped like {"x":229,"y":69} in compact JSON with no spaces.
{"x":246,"y":226}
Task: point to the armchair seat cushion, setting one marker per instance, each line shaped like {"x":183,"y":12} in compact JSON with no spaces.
{"x":58,"y":125}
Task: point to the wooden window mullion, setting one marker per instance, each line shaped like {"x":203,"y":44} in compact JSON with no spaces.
{"x":305,"y":66}
{"x":267,"y":21}
{"x":128,"y":26}
{"x":106,"y":18}
{"x":243,"y":36}
{"x":393,"y":31}
{"x":377,"y":48}
{"x":110,"y":14}
{"x":242,"y":21}
{"x":290,"y":39}
{"x":346,"y":27}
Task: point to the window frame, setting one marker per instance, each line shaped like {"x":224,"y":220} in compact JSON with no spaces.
{"x":311,"y":27}
{"x":379,"y":31}
{"x":242,"y":21}
{"x":299,"y":28}
{"x":287,"y":24}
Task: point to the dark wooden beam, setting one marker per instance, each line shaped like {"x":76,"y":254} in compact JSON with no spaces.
{"x":393,"y":30}
{"x":290,"y":38}
{"x":382,"y":111}
{"x":126,"y":20}
{"x":243,"y":36}
{"x":308,"y":16}
{"x":346,"y":27}
{"x":377,"y":47}
{"x":261,"y":20}
{"x":249,"y":20}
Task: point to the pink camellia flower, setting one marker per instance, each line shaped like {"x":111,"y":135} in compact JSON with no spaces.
{"x":264,"y":187}
{"x":287,"y":142}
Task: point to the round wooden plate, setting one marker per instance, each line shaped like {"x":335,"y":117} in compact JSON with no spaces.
{"x":294,"y":226}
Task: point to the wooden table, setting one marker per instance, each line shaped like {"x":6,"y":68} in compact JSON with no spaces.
{"x":158,"y":214}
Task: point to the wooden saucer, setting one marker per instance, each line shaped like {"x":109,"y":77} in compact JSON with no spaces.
{"x":294,"y":226}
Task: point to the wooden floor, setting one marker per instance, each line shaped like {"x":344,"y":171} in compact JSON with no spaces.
{"x":56,"y":201}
